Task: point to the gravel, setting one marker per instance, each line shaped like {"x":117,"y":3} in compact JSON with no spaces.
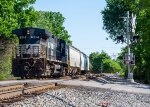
{"x":83,"y":96}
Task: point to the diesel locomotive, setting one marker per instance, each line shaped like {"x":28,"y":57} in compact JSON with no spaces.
{"x":41,"y":54}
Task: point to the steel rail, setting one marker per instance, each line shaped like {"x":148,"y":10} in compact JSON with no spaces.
{"x":9,"y":92}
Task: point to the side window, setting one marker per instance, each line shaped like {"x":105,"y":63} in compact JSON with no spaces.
{"x":62,"y":45}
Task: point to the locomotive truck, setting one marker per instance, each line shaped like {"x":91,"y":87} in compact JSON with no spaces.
{"x":41,"y":54}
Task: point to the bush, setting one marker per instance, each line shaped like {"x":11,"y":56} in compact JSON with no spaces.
{"x":6,"y":53}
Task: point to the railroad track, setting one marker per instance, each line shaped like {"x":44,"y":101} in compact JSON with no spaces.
{"x":17,"y":92}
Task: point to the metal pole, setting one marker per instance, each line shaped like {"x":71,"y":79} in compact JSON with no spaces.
{"x":101,"y":65}
{"x":128,"y":43}
{"x":101,"y":68}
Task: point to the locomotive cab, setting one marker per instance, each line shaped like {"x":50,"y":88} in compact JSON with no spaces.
{"x":32,"y":42}
{"x":31,"y":53}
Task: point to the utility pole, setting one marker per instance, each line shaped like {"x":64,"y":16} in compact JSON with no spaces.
{"x":128,"y":44}
{"x":130,"y":75}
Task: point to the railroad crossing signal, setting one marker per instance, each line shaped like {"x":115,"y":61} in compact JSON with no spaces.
{"x":129,"y":59}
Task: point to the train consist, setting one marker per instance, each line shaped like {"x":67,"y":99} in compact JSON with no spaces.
{"x":41,"y":54}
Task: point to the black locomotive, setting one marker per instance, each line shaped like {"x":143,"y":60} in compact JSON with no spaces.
{"x":41,"y":54}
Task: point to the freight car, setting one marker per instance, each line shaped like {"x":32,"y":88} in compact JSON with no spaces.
{"x":41,"y":54}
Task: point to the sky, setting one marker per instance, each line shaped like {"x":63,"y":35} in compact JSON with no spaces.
{"x":84,"y":23}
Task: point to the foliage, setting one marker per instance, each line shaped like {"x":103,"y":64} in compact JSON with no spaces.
{"x":101,"y":62}
{"x":26,"y":14}
{"x":53,"y":22}
{"x":96,"y":60}
{"x":113,"y":20}
{"x":13,"y":14}
{"x":6,"y":51}
{"x":142,"y":10}
{"x":114,"y":25}
{"x":111,"y":66}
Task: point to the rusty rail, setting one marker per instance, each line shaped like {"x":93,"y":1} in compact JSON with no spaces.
{"x":14,"y":91}
{"x":38,"y":88}
{"x":11,"y":87}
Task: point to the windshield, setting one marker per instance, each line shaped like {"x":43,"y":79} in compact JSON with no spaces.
{"x":29,"y":39}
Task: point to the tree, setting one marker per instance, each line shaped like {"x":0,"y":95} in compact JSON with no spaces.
{"x":53,"y":22}
{"x":7,"y":17}
{"x":111,"y":66}
{"x":96,"y":60}
{"x":113,"y":21}
{"x":102,"y":62}
{"x":111,"y":17}
{"x":13,"y":14}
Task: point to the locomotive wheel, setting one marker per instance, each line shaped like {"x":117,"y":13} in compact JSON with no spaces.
{"x":22,"y":77}
{"x":51,"y":70}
